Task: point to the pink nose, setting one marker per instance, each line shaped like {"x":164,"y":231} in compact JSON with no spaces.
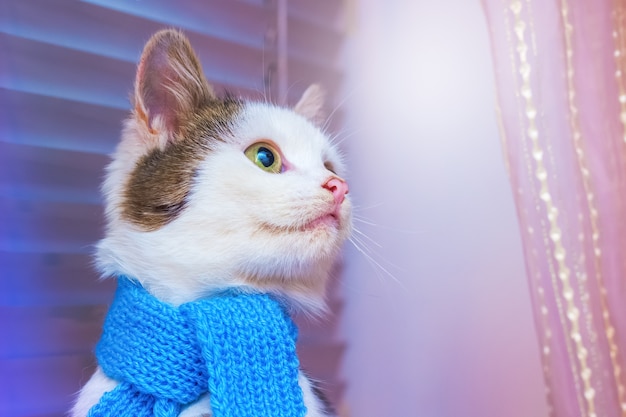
{"x":338,"y":187}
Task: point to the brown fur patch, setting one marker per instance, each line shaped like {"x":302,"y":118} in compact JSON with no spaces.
{"x":158,"y":188}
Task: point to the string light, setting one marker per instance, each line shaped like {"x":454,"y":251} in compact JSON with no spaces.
{"x":555,"y":232}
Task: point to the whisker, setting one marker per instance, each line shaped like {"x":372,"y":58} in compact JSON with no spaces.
{"x":336,"y":141}
{"x":363,"y":208}
{"x":363,"y":245}
{"x":363,"y":221}
{"x":367,"y":237}
{"x":341,"y":103}
{"x":368,"y":222}
{"x":375,"y":263}
{"x":265,"y":75}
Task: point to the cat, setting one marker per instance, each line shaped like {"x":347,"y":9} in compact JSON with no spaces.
{"x":205,"y":194}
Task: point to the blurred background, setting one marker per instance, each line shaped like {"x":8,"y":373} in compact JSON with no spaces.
{"x":431,"y":311}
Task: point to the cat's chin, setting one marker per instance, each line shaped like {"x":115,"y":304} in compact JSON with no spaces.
{"x":329,"y":220}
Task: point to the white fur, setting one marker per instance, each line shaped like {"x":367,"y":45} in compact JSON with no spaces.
{"x":223,"y":237}
{"x":217,"y":242}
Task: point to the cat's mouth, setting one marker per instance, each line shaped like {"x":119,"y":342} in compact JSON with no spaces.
{"x":326,"y":220}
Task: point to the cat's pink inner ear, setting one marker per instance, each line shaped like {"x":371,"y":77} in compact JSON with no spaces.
{"x":311,"y":104}
{"x":169,"y":81}
{"x":153,"y":99}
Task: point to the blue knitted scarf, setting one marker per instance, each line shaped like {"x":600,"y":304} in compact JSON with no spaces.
{"x":238,"y":347}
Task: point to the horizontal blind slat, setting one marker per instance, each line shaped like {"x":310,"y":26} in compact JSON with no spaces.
{"x":106,"y":28}
{"x":235,"y":21}
{"x":42,"y":386}
{"x":29,"y":226}
{"x":302,"y":74}
{"x":38,"y":173}
{"x":308,"y":42}
{"x":51,"y":279}
{"x":42,"y":68}
{"x":326,"y":15}
{"x":57,"y":71}
{"x":36,"y":120}
{"x":50,"y":330}
{"x":78,"y":26}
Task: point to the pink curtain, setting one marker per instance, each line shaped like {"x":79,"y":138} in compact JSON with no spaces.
{"x":561,"y":96}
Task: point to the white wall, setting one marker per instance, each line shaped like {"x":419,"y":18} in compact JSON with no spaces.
{"x":452,"y":335}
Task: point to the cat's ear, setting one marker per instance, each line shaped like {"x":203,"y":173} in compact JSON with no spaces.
{"x":311,"y":104}
{"x":169,"y":83}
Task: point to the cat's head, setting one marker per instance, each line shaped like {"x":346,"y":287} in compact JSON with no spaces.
{"x":206,"y":193}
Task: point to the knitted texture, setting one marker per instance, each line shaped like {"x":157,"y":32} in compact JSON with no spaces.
{"x":238,"y":347}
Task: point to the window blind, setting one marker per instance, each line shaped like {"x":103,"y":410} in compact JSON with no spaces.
{"x":66,"y":71}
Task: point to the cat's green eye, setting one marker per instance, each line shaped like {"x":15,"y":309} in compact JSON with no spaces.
{"x":265,"y":156}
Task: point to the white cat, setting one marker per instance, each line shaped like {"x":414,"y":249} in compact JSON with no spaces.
{"x":205,"y":194}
